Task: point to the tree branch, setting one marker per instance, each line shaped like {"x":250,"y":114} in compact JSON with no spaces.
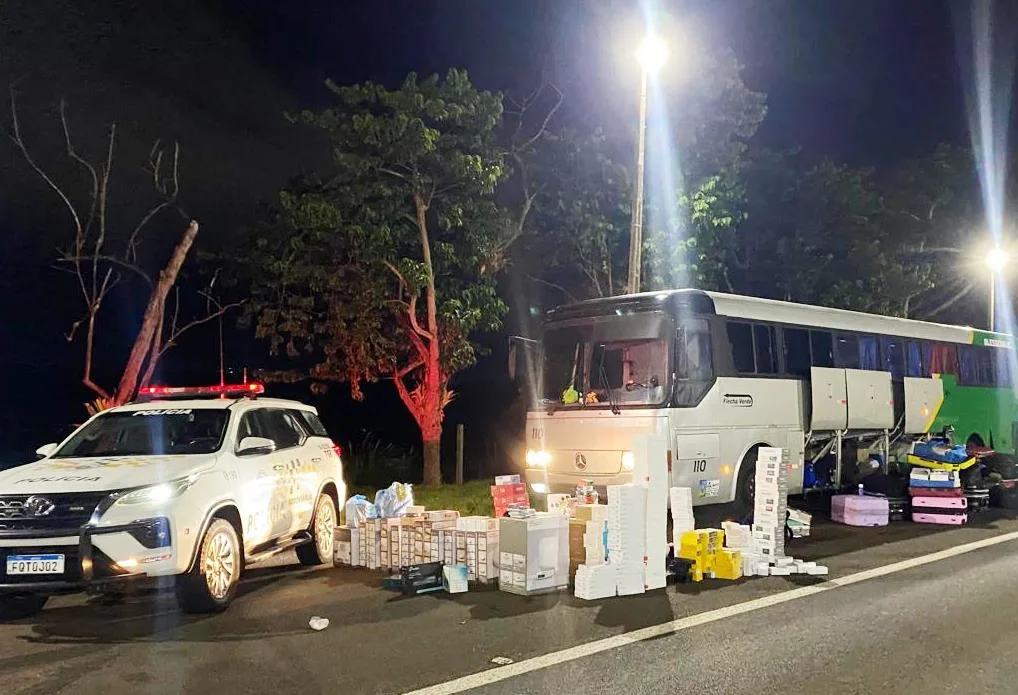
{"x":175,"y":333}
{"x":411,"y":306}
{"x":20,"y":143}
{"x":73,"y":154}
{"x":961,"y":294}
{"x":107,"y":259}
{"x":416,"y":364}
{"x":560,"y":288}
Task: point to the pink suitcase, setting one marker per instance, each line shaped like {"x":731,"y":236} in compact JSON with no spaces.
{"x":946,"y":519}
{"x":941,"y":502}
{"x":860,"y":510}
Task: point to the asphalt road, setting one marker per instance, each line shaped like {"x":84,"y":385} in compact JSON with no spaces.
{"x":938,"y":628}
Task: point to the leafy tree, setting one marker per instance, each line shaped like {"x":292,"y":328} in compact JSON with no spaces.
{"x":784,"y":228}
{"x":701,"y":240}
{"x":381,"y":270}
{"x":580,"y":234}
{"x":935,"y":206}
{"x":581,"y":216}
{"x":713,"y":115}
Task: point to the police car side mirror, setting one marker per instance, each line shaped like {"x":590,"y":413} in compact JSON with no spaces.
{"x":255,"y":446}
{"x":46,"y":450}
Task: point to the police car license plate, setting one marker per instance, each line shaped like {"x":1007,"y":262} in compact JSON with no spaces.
{"x":34,"y":564}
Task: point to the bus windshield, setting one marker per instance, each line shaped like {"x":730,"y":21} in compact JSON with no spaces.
{"x":615,"y":363}
{"x":562,"y":372}
{"x":629,"y":372}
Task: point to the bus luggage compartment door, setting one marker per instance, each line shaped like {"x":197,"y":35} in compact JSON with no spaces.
{"x":829,"y":399}
{"x":922,"y":403}
{"x":870,"y":400}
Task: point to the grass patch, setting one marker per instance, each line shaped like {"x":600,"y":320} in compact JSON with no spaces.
{"x":469,"y":499}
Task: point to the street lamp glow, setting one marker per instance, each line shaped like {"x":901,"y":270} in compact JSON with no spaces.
{"x":997,"y":258}
{"x":652,"y":54}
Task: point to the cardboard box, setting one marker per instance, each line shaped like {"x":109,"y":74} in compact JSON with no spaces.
{"x":476,"y":523}
{"x":591,"y":512}
{"x":441,"y":515}
{"x":454,"y":579}
{"x":344,"y":553}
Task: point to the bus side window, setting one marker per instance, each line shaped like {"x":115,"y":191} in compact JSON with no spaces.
{"x":944,"y":359}
{"x":869,"y":353}
{"x":846,"y":353}
{"x":969,"y":373}
{"x":1002,"y":368}
{"x":916,"y":359}
{"x":797,"y":361}
{"x":822,"y":348}
{"x":894,"y":357}
{"x":694,"y":352}
{"x":740,"y":336}
{"x":766,"y":355}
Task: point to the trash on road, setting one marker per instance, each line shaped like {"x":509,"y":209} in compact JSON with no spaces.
{"x":318,"y":624}
{"x":501,"y":661}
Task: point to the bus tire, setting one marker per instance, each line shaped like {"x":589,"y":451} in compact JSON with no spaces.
{"x":745,"y":487}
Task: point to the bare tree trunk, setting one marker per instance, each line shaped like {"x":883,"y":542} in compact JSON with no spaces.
{"x":154,"y":315}
{"x":156,"y":352}
{"x":432,"y":401}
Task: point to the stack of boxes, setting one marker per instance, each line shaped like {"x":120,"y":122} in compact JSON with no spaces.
{"x":371,"y":544}
{"x":763,"y":546}
{"x":650,"y":470}
{"x":595,"y":582}
{"x":508,"y":491}
{"x":771,"y":503}
{"x":701,"y":547}
{"x":627,"y":536}
{"x":428,"y":534}
{"x":682,"y":513}
{"x":937,"y":497}
{"x":595,"y":532}
{"x":477,"y":547}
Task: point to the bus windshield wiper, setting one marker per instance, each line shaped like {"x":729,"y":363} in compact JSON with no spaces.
{"x":603,"y":375}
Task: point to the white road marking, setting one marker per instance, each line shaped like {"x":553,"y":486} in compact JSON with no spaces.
{"x":537,"y":663}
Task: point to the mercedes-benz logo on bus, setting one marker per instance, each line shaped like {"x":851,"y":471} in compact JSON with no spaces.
{"x":39,"y":506}
{"x":580,"y":461}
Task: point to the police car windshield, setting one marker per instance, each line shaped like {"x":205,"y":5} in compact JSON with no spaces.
{"x":166,"y":431}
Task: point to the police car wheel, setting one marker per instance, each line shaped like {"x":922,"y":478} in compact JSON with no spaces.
{"x":322,"y":548}
{"x":212,"y":583}
{"x":18,"y":606}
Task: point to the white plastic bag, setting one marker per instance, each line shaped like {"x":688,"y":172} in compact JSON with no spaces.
{"x":394,"y":500}
{"x":359,"y":510}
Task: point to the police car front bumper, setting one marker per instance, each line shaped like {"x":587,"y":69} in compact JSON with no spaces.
{"x":133,"y":551}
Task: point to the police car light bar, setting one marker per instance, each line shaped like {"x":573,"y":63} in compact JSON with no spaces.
{"x":253,"y":388}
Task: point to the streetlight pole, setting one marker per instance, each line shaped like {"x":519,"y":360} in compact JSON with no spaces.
{"x":996,"y":259}
{"x":636,"y":218}
{"x":652,"y":55}
{"x":993,"y":300}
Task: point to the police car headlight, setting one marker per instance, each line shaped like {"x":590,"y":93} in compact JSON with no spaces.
{"x":155,"y":494}
{"x":538,"y":459}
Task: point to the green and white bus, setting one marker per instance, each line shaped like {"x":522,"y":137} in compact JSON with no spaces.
{"x":721,"y":375}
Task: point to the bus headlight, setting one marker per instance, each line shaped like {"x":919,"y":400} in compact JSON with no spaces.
{"x":538,"y":459}
{"x":628,"y":460}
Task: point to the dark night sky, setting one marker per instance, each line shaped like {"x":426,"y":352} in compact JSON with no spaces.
{"x":865,"y":81}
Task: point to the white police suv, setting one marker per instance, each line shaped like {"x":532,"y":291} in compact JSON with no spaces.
{"x":188,"y":483}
